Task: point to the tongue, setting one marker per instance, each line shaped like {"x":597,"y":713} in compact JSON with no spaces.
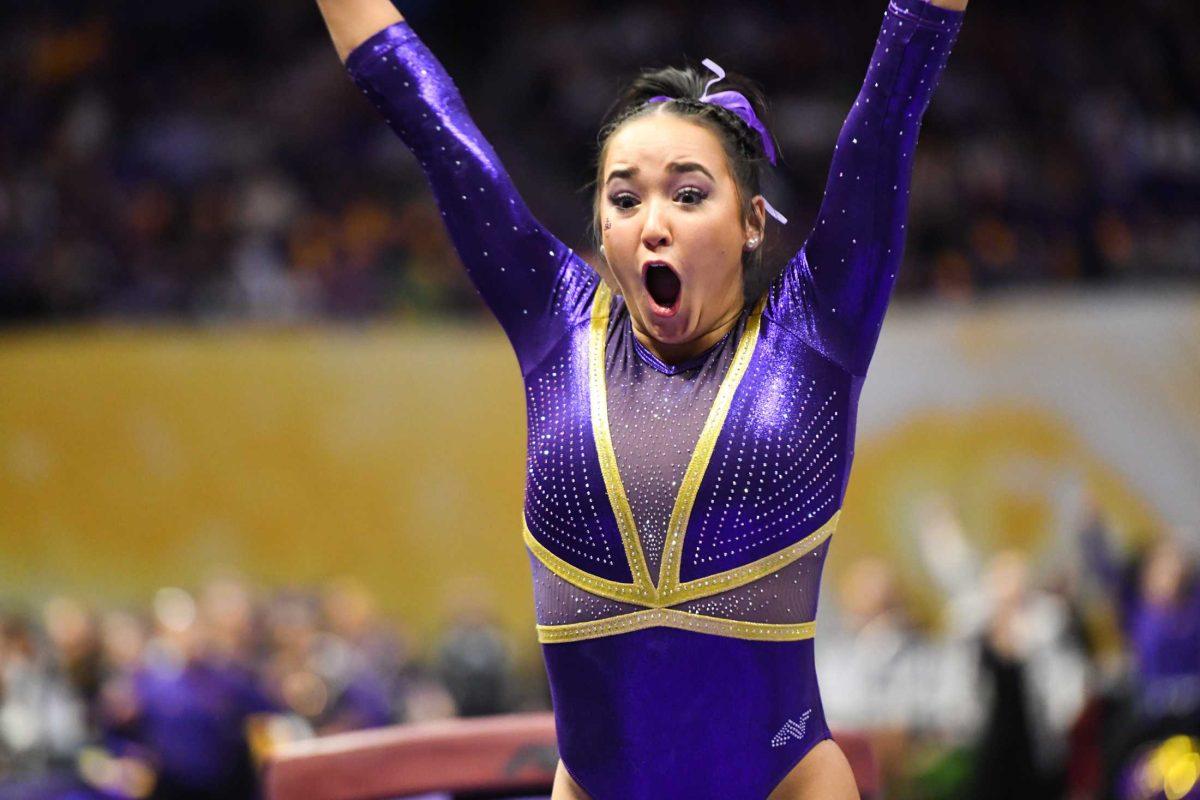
{"x":663,"y":285}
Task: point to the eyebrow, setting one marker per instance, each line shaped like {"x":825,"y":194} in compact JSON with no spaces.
{"x":675,"y":167}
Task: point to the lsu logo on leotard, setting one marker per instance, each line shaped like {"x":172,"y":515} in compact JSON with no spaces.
{"x":791,"y":728}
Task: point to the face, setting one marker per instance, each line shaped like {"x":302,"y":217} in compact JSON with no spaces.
{"x":672,"y":229}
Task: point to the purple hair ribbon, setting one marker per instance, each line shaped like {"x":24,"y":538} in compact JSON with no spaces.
{"x":738,"y":104}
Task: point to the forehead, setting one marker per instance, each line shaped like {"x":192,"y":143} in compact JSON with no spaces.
{"x":652,"y":142}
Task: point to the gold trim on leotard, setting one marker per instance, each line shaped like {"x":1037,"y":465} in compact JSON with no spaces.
{"x":690,"y":485}
{"x":642,"y":591}
{"x":669,"y":618}
{"x":748,"y":573}
{"x":604,"y":448}
{"x":668,"y":580}
{"x":613,"y":590}
{"x":690,"y":590}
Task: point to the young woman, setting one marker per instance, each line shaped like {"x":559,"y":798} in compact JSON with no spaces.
{"x":689,"y":445}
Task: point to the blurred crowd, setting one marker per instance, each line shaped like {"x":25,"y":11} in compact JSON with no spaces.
{"x":210,"y":160}
{"x":1072,"y":678}
{"x":184,"y":698}
{"x":1043,"y":678}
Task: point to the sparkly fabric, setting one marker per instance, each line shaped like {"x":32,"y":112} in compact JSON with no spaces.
{"x":662,"y":713}
{"x":656,"y":413}
{"x":651,"y":486}
{"x":787,"y":595}
{"x":558,"y":602}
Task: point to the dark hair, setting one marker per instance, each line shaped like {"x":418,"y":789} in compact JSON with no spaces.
{"x":743,"y":145}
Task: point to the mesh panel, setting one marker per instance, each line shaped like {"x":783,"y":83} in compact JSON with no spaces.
{"x":655,"y":419}
{"x":786,"y":596}
{"x":557,"y":602}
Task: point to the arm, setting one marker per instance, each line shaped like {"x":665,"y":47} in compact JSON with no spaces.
{"x":835,"y":290}
{"x":351,"y":22}
{"x":954,"y":564}
{"x":535,"y":285}
{"x":1114,"y":579}
{"x":945,"y":551}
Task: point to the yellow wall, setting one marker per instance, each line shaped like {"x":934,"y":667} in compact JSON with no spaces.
{"x":130,"y":460}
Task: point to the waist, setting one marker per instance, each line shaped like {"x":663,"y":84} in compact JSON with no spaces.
{"x":680,"y":620}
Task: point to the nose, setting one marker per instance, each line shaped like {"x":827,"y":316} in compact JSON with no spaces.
{"x":656,"y":232}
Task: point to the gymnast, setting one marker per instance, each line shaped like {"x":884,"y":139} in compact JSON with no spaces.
{"x":689,"y":443}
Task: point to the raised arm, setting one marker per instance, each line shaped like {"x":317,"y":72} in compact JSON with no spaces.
{"x":535,"y":285}
{"x":835,"y":290}
{"x":1114,"y":578}
{"x":352,"y":22}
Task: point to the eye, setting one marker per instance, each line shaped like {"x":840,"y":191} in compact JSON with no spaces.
{"x":690,"y":196}
{"x":623,"y":200}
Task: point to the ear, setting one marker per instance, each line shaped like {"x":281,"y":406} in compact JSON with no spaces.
{"x":605,"y":272}
{"x":756,"y":221}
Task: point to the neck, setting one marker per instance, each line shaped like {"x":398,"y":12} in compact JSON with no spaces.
{"x":677,"y":352}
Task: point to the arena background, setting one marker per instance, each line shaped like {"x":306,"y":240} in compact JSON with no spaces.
{"x":395,"y":453}
{"x":237,"y":346}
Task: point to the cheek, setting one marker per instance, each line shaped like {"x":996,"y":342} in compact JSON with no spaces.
{"x":620,"y":239}
{"x":716,"y":252}
{"x":621,"y":252}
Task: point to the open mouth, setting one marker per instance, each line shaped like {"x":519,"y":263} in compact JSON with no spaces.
{"x":664,"y":288}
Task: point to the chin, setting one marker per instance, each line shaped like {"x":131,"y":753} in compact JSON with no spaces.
{"x":676,"y":329}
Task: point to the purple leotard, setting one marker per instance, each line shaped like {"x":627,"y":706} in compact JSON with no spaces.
{"x":677,"y":517}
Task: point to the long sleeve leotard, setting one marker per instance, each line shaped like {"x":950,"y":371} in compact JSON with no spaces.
{"x":677,"y":517}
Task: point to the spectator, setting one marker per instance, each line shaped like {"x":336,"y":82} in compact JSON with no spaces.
{"x":138,"y":181}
